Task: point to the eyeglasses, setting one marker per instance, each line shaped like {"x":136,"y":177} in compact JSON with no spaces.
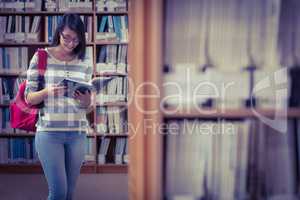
{"x":68,"y":40}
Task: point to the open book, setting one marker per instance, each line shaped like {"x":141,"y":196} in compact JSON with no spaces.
{"x":74,"y":85}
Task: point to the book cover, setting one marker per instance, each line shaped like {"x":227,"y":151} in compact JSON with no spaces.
{"x":74,"y":85}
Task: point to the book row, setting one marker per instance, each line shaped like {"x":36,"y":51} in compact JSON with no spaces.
{"x":63,"y":5}
{"x":111,"y":5}
{"x":112,"y":27}
{"x":86,"y":5}
{"x":88,"y":149}
{"x":20,"y":28}
{"x":111,"y":58}
{"x":115,"y":91}
{"x":20,"y":5}
{"x":112,"y":150}
{"x":108,"y":150}
{"x":215,"y":88}
{"x":51,"y":22}
{"x":17,"y":150}
{"x":231,"y":159}
{"x":24,"y":29}
{"x":13,"y":59}
{"x":9,"y":88}
{"x":68,"y":5}
{"x":5,"y":126}
{"x":111,"y":120}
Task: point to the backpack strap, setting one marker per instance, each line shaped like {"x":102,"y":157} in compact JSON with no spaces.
{"x":42,"y":66}
{"x":42,"y":61}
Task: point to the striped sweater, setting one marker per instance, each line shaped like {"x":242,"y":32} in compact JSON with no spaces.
{"x":60,"y":113}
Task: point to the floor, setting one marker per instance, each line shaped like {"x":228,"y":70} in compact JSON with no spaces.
{"x":90,"y":186}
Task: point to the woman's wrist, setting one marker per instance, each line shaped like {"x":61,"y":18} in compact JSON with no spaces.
{"x":84,"y":104}
{"x":44,"y":93}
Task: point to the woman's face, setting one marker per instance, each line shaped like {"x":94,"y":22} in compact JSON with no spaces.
{"x":68,"y":40}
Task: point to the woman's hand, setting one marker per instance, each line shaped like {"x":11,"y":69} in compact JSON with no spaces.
{"x":34,"y":98}
{"x":83,"y":98}
{"x":55,"y":90}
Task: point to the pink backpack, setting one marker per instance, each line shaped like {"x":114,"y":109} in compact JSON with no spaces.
{"x":22,"y":115}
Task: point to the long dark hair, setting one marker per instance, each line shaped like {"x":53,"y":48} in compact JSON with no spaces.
{"x":73,"y":22}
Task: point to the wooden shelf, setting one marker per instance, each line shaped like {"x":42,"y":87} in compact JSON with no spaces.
{"x":24,"y":168}
{"x":12,"y":135}
{"x":13,"y":74}
{"x":3,"y":105}
{"x":120,"y":103}
{"x":17,"y":44}
{"x":112,"y":13}
{"x":112,"y":168}
{"x":111,"y":134}
{"x":91,"y":12}
{"x":109,"y":74}
{"x":230,"y":113}
{"x":109,"y":42}
{"x":89,"y":167}
{"x":21,"y":168}
{"x":43,"y":12}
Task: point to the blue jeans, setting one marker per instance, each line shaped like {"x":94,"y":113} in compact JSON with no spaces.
{"x":61,"y":155}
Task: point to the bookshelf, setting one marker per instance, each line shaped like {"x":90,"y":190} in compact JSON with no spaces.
{"x":41,"y":17}
{"x":89,"y":168}
{"x":147,"y":172}
{"x":221,"y":122}
{"x":231,"y":113}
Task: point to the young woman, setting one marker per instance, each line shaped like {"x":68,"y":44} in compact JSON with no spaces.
{"x":60,"y":136}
